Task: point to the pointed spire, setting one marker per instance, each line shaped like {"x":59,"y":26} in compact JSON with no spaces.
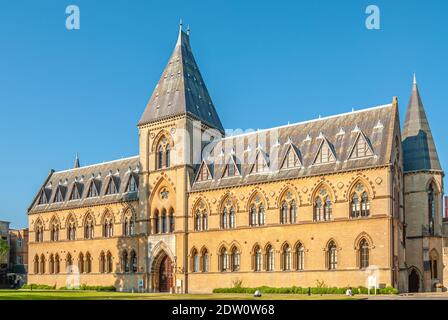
{"x":181,"y":89}
{"x":419,"y":151}
{"x":414,"y":81}
{"x":76,"y":165}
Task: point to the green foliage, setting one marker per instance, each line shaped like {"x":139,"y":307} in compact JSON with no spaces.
{"x":82,"y":287}
{"x":33,"y":286}
{"x":4,"y":248}
{"x":320,"y":289}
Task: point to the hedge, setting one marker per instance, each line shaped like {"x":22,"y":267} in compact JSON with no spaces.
{"x":300,"y":290}
{"x":33,"y":286}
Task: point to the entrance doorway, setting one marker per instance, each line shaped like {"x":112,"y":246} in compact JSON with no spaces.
{"x":165,"y":275}
{"x":414,"y":281}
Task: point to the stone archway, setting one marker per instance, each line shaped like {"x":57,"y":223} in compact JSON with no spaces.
{"x":162,"y":272}
{"x":414,"y":281}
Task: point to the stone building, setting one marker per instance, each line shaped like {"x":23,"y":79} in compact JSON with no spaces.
{"x":331,"y":199}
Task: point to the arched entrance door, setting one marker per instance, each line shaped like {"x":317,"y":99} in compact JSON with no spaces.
{"x":414,"y":281}
{"x":165,"y":275}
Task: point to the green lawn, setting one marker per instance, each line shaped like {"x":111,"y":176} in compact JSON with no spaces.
{"x":92,"y":295}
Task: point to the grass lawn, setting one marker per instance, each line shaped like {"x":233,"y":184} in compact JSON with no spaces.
{"x":93,"y":295}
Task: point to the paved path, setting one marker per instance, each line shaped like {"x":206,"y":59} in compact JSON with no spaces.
{"x":413,"y":296}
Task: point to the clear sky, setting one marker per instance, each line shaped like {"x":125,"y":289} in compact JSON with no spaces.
{"x":265,"y":63}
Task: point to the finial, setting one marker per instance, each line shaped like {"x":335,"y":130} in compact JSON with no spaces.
{"x":76,"y":165}
{"x":188,"y":29}
{"x":180,"y":24}
{"x":414,"y":81}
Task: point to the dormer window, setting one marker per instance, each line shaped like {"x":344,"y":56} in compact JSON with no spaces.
{"x":132,"y":184}
{"x":77,"y":191}
{"x":361,"y":147}
{"x":112,"y":187}
{"x":204,"y":172}
{"x":325,"y":153}
{"x":291,"y":159}
{"x":260,"y":164}
{"x":60,"y":194}
{"x":43,"y":199}
{"x":93,"y":190}
{"x":231,"y":168}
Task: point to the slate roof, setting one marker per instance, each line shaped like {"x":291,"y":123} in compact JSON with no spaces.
{"x":100,"y":174}
{"x":341,"y":131}
{"x":181,"y":89}
{"x":419,"y":150}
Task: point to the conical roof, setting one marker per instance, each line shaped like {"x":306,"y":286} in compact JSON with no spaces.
{"x":419,"y":150}
{"x":181,"y":89}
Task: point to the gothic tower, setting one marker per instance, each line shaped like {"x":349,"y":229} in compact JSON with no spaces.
{"x":423,"y":191}
{"x":179,"y":116}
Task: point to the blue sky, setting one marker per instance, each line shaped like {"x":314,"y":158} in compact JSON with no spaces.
{"x":63,"y":92}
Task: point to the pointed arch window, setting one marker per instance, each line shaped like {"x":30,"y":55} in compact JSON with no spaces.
{"x":51,"y":264}
{"x":360,"y":204}
{"x":163,"y":221}
{"x":39,"y":231}
{"x":223,"y":260}
{"x":69,"y":263}
{"x":81,"y":262}
{"x":56,"y":266}
{"x":286,"y":258}
{"x":125,"y":261}
{"x":300,"y":257}
{"x":156,"y":222}
{"x":195,"y":261}
{"x":433,"y":257}
{"x":88,"y":263}
{"x":228,"y":216}
{"x":160,"y":157}
{"x":128,"y":225}
{"x":42,"y":264}
{"x":88,"y":227}
{"x":54,"y":231}
{"x":71,"y":229}
{"x":431,"y":209}
{"x":288,"y":209}
{"x":171,"y":221}
{"x":205,"y":260}
{"x":332,"y":256}
{"x":133,"y":262}
{"x":269,"y":258}
{"x":109,"y":265}
{"x":167,"y":156}
{"x":235,"y":260}
{"x":163,"y":153}
{"x":36,"y":264}
{"x":323,"y":209}
{"x":363,"y":254}
{"x":102,"y":262}
{"x":258,"y":263}
{"x":257,"y":212}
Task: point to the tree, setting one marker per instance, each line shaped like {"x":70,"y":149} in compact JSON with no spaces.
{"x":4,"y":248}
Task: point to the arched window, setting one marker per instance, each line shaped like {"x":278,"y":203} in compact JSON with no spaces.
{"x":433,"y":257}
{"x":318,"y":210}
{"x":223,"y":260}
{"x":164,"y":224}
{"x":253,"y":215}
{"x":258,"y":263}
{"x":88,"y":265}
{"x":108,"y":226}
{"x":257,"y":213}
{"x":286,"y":258}
{"x":51,"y":264}
{"x":197,"y":224}
{"x":134,"y":262}
{"x":328,"y":209}
{"x":56,"y":267}
{"x":109,"y":265}
{"x":204,"y":220}
{"x":36,"y":264}
{"x":71,"y":229}
{"x":300,"y":257}
{"x":81,"y":263}
{"x":293,"y":212}
{"x":156,"y":222}
{"x":102,"y":262}
{"x":128,"y":224}
{"x":332,"y":256}
{"x":224,"y":219}
{"x":284,"y":213}
{"x":54,"y":230}
{"x":125,"y":261}
{"x":269,"y":258}
{"x":69,"y":263}
{"x":322,"y":206}
{"x":42,"y":264}
{"x":431,"y":209}
{"x":163,"y":153}
{"x":88,"y":227}
{"x":205,"y":260}
{"x":235,"y":260}
{"x":232,"y":219}
{"x":360,"y":205}
{"x":167,"y":156}
{"x":363,"y":254}
{"x":194,"y":260}
{"x":39,"y":231}
{"x":171,"y":222}
{"x":160,"y":157}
